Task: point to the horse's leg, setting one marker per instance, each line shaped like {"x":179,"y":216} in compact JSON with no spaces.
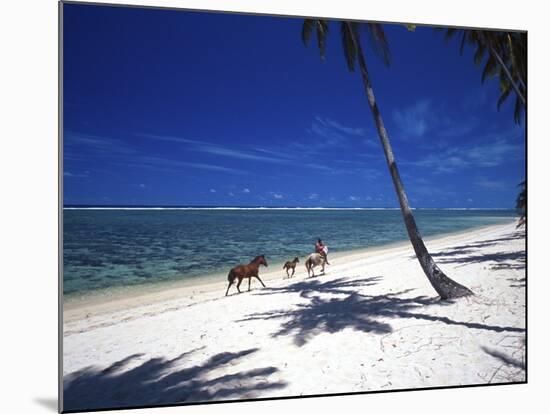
{"x":239,"y":284}
{"x":228,"y":286}
{"x":293,"y":270}
{"x":258,"y":277}
{"x":249,"y":280}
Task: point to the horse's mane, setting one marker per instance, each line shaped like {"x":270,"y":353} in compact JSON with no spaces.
{"x":257,"y":258}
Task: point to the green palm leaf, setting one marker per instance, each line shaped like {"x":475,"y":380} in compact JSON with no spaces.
{"x":307,"y":28}
{"x":490,"y":69}
{"x":322,"y":31}
{"x":378,"y":42}
{"x":504,"y":95}
{"x":480,"y":52}
{"x":348,"y":45}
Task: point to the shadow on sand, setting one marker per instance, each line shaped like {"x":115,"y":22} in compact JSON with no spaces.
{"x":505,"y":359}
{"x":315,"y":284}
{"x":518,"y":283}
{"x":158,"y":381}
{"x":365,"y":313}
{"x":469,"y":253}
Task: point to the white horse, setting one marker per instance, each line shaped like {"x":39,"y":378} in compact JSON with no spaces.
{"x":313,"y":260}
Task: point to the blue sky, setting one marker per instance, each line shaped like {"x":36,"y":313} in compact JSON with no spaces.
{"x":166,"y":107}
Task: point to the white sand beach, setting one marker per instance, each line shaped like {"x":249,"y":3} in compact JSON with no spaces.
{"x":372,"y":322}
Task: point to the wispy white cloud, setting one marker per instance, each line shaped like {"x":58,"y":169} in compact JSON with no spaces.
{"x":275,"y":195}
{"x":313,"y":196}
{"x":492,"y":153}
{"x":413,"y":120}
{"x":170,"y":138}
{"x":426,"y":117}
{"x":277,"y":153}
{"x":371,"y":142}
{"x":117,"y":152}
{"x":257,"y":154}
{"x":354,"y":198}
{"x":106,"y":147}
{"x":246,"y":190}
{"x":493,"y":184}
{"x":160,"y":162}
{"x":331,"y":133}
{"x":239,"y":154}
{"x":342,"y":128}
{"x":448,"y":128}
{"x":220,"y":150}
{"x":213,"y":190}
{"x":76,"y":175}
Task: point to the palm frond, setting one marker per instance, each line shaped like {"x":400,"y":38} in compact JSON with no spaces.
{"x":521,"y":200}
{"x":521,"y":204}
{"x":518,"y":111}
{"x":463,"y":42}
{"x":322,"y":30}
{"x":503,"y":96}
{"x":490,"y":69}
{"x":348,"y":45}
{"x":449,"y":34}
{"x":480,"y":52}
{"x":307,"y":28}
{"x":378,"y":42}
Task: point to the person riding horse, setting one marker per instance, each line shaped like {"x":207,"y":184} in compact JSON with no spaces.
{"x":322,"y":249}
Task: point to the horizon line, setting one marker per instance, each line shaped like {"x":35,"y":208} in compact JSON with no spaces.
{"x":185,"y":207}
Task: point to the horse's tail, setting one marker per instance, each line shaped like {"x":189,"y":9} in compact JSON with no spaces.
{"x":231,"y":276}
{"x":308,"y":263}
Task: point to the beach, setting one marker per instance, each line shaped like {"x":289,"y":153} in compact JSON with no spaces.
{"x":372,"y":322}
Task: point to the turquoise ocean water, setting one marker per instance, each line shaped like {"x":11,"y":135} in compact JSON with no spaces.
{"x":105,"y":249}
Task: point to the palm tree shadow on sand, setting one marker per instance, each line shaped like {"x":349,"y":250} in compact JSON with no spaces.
{"x":365,"y":313}
{"x":470,"y":253}
{"x":315,"y":284}
{"x":158,"y":382}
{"x":511,"y":368}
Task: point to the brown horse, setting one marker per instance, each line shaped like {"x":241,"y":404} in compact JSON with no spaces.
{"x":241,"y":271}
{"x":290,"y":266}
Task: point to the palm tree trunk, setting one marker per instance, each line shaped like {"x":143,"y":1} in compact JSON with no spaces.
{"x":444,"y":286}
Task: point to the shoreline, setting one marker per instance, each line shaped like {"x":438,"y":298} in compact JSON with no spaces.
{"x":196,"y":345}
{"x":207,"y":287}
